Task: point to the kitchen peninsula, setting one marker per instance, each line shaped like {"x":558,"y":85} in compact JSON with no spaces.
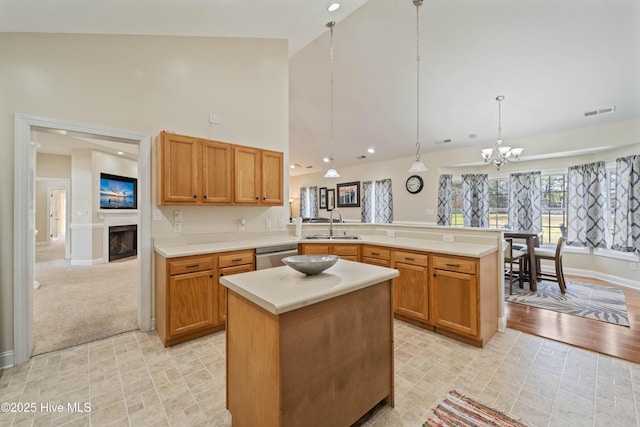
{"x":309,"y":350}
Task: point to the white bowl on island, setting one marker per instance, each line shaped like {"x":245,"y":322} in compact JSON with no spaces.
{"x":310,"y":264}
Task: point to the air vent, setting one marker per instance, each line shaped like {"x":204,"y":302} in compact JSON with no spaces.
{"x":361,"y":157}
{"x":443,"y":141}
{"x":606,"y":110}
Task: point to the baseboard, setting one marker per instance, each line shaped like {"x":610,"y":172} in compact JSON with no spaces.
{"x":502,"y":323}
{"x":6,"y":359}
{"x":597,"y":275}
{"x":86,"y":262}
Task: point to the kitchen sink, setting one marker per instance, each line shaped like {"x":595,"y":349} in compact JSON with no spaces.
{"x":327,"y":237}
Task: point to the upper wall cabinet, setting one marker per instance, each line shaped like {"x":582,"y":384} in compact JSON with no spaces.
{"x":258,"y":176}
{"x":199,"y":172}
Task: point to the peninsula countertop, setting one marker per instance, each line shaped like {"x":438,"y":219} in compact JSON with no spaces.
{"x":282,"y":289}
{"x":428,"y":245}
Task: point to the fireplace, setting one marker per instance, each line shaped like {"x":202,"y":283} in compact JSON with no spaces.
{"x":123,"y":241}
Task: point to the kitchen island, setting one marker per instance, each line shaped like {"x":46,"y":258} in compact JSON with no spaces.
{"x":309,"y":350}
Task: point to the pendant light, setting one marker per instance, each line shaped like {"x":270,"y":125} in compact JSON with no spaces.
{"x":417,"y":165}
{"x":331,"y":172}
{"x":503,"y":154}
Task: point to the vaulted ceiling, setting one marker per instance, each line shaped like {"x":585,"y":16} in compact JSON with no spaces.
{"x":552,"y":60}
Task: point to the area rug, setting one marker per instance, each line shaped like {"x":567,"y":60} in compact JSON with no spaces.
{"x":459,"y":411}
{"x":603,"y":303}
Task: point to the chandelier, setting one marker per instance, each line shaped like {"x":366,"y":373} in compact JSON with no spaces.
{"x":417,"y":165}
{"x":331,"y":172}
{"x":503,"y":154}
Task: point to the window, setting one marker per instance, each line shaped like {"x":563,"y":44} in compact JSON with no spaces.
{"x":377,"y":202}
{"x":457,"y":219}
{"x":498,"y":202}
{"x":554,"y":206}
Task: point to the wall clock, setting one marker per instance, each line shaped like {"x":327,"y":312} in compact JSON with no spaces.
{"x":414,"y":184}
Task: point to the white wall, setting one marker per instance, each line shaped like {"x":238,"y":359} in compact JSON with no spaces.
{"x":143,"y":84}
{"x":619,"y":139}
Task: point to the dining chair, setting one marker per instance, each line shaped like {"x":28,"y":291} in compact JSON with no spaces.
{"x":514,"y":256}
{"x":554,"y":254}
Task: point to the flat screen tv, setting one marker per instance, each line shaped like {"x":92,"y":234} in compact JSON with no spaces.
{"x":118,"y":192}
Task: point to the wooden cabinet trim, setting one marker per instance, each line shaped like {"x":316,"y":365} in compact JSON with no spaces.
{"x":189,"y":264}
{"x":414,"y":258}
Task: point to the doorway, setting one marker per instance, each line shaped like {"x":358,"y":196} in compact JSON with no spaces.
{"x":24,"y":220}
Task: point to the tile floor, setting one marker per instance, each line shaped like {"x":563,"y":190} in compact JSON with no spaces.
{"x":131,"y":380}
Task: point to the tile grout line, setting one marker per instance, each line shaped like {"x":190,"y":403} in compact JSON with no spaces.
{"x":155,"y":387}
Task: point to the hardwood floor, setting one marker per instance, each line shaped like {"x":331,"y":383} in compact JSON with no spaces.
{"x":603,"y":337}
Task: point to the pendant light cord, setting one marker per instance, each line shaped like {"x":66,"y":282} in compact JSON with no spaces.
{"x":331,"y":25}
{"x":418,"y":3}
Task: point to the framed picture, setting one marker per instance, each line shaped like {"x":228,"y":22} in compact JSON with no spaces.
{"x":331,"y":199}
{"x":349,"y":195}
{"x":323,"y":197}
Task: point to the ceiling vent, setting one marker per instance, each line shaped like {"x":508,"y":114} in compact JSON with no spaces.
{"x":361,"y":157}
{"x":600,"y":111}
{"x":443,"y":141}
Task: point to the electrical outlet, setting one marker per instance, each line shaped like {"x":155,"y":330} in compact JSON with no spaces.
{"x":157,"y":214}
{"x":214,"y":119}
{"x":391,"y":233}
{"x":447,"y":238}
{"x":177,"y":216}
{"x":267,"y":223}
{"x":241,"y":223}
{"x":177,"y":227}
{"x":280,"y":223}
{"x":633,"y":266}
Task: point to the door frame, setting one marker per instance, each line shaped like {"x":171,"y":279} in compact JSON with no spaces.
{"x":24,"y":221}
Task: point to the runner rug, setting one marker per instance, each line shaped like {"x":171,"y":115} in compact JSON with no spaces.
{"x":603,"y":303}
{"x":459,"y":411}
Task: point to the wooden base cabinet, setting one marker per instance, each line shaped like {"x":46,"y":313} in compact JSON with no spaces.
{"x":376,"y":255}
{"x":185,"y":299}
{"x":465,"y":304}
{"x":344,"y":251}
{"x":411,"y":289}
{"x":231,"y":263}
{"x":190,"y":301}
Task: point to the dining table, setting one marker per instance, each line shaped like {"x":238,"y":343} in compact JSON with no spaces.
{"x":532,"y":240}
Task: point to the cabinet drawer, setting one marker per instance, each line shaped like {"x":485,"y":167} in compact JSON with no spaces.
{"x":454,"y":264}
{"x":190,"y":265}
{"x":376,"y":252}
{"x":410,"y":258}
{"x":345,"y":250}
{"x":235,"y":258}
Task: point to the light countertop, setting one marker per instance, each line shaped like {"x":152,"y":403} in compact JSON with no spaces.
{"x":457,"y":248}
{"x":282,"y":289}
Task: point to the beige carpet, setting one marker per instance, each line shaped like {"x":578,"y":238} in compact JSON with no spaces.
{"x":78,"y":304}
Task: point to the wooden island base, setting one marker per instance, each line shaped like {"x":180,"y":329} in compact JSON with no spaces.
{"x":325,"y":364}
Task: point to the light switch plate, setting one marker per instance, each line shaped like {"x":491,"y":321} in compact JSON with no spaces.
{"x":157,"y":214}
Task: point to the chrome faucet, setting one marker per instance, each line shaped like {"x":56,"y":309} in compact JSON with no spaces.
{"x":331,"y":221}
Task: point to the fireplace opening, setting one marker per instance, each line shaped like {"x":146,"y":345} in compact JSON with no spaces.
{"x":123,"y":242}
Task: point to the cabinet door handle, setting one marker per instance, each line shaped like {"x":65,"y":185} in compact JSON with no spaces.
{"x":257,"y":198}
{"x":236,"y":260}
{"x":409,"y":259}
{"x":221,"y":274}
{"x":193,"y":266}
{"x":205,"y":196}
{"x":453,"y":265}
{"x":211,"y":276}
{"x":195,"y":196}
{"x":375,"y":253}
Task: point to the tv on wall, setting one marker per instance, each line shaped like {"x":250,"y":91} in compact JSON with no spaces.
{"x":118,"y":192}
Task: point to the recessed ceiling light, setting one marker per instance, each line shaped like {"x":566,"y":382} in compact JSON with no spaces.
{"x":333,"y":6}
{"x":326,"y":160}
{"x":371,"y":150}
{"x":472,"y":136}
{"x":120,"y":153}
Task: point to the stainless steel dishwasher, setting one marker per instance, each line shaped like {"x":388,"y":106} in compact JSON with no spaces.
{"x":271,"y":256}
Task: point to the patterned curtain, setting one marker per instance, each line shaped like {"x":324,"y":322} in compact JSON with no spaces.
{"x":377,"y":202}
{"x":304,"y":203}
{"x":586,"y":213}
{"x":367,"y":203}
{"x":525,"y":203}
{"x":626,"y":232}
{"x":384,"y":202}
{"x":475,"y":200}
{"x":308,"y":202}
{"x":444,"y":200}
